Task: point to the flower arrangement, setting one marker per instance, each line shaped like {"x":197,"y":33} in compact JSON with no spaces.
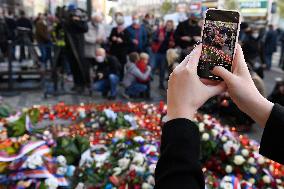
{"x":107,"y":146}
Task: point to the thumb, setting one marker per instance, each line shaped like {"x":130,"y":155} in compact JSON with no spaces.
{"x":223,"y":73}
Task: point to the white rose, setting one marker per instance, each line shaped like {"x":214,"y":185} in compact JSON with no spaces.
{"x":229,"y":145}
{"x":251,"y":180}
{"x":51,"y":183}
{"x":224,"y":138}
{"x":229,"y":169}
{"x":201,"y":127}
{"x":266,"y":179}
{"x":271,"y":168}
{"x":253,"y":170}
{"x":123,"y":163}
{"x":152,"y":168}
{"x":278,"y":181}
{"x":251,"y":160}
{"x":117,"y":171}
{"x":146,"y":186}
{"x":61,"y":160}
{"x":151,"y":180}
{"x":61,"y":170}
{"x":205,"y":137}
{"x":261,"y":160}
{"x":80,"y":185}
{"x":34,"y":161}
{"x":138,"y":159}
{"x":239,"y":160}
{"x":214,"y":132}
{"x":245,"y":152}
{"x":138,"y":139}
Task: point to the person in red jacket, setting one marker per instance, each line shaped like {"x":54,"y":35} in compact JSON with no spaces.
{"x":178,"y":165}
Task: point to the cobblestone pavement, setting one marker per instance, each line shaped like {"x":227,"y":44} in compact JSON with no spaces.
{"x":28,"y":98}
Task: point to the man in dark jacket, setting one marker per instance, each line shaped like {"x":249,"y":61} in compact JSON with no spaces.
{"x":106,"y":72}
{"x":188,"y":33}
{"x":270,"y":45}
{"x":119,"y":42}
{"x":75,"y":29}
{"x":3,"y":35}
{"x":11,"y":24}
{"x":138,"y":35}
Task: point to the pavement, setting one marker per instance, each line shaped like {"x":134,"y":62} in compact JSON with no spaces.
{"x":27,"y":98}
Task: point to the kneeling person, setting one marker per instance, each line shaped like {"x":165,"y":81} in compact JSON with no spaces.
{"x":106,"y":71}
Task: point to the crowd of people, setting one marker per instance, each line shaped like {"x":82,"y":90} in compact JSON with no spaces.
{"x":101,"y":57}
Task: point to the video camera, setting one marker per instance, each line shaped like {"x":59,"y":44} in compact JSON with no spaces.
{"x":67,"y":15}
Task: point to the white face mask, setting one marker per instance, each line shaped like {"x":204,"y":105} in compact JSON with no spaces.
{"x":255,"y":35}
{"x":100,"y":59}
{"x":119,"y":20}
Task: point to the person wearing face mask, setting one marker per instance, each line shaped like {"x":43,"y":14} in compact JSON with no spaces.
{"x":138,"y":35}
{"x":250,"y":45}
{"x":188,"y":33}
{"x":119,"y":40}
{"x":163,"y":40}
{"x":106,"y":70}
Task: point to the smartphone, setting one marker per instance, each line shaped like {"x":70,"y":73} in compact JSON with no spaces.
{"x":219,"y":37}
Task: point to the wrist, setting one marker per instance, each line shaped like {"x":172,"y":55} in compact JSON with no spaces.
{"x":175,"y":113}
{"x":260,"y":110}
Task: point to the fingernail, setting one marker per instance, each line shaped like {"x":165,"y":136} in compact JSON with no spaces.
{"x":198,"y":42}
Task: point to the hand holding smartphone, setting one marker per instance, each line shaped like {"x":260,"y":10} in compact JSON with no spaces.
{"x":219,"y":38}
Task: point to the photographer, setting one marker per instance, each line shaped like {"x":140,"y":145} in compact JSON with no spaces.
{"x":76,"y":26}
{"x":179,"y":166}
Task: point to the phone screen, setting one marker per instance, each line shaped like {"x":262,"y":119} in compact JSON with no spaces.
{"x":219,"y":38}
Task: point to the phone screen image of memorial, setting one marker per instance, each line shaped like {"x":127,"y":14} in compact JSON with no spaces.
{"x":220,"y":33}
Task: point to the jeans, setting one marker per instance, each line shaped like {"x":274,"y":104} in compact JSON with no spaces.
{"x":45,"y":51}
{"x":108,"y":84}
{"x":268,"y":60}
{"x":161,"y":64}
{"x":135,"y":89}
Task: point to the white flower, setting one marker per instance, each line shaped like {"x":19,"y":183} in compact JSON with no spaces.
{"x":61,"y":160}
{"x":226,"y":183}
{"x":278,"y":181}
{"x":138,"y":159}
{"x":138,"y":169}
{"x":117,"y":171}
{"x":239,"y":160}
{"x":123,"y":163}
{"x":82,"y":112}
{"x":51,"y":183}
{"x":229,"y":145}
{"x":146,"y":186}
{"x":224,"y":139}
{"x":271,"y":168}
{"x":245,"y":152}
{"x":261,"y":160}
{"x":201,"y":127}
{"x":205,"y":137}
{"x":131,"y":120}
{"x":80,"y":185}
{"x":214,"y":132}
{"x":229,"y":169}
{"x":33,"y":161}
{"x":266,"y":179}
{"x":152,"y":168}
{"x":251,"y":180}
{"x":61,"y":170}
{"x":138,"y":139}
{"x":151,"y":180}
{"x":253,"y":170}
{"x":110,"y":114}
{"x":251,"y":160}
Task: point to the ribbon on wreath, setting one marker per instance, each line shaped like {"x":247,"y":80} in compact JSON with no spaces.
{"x":40,"y":147}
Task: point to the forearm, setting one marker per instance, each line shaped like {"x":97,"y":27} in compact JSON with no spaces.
{"x":259,"y":109}
{"x":178,"y":166}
